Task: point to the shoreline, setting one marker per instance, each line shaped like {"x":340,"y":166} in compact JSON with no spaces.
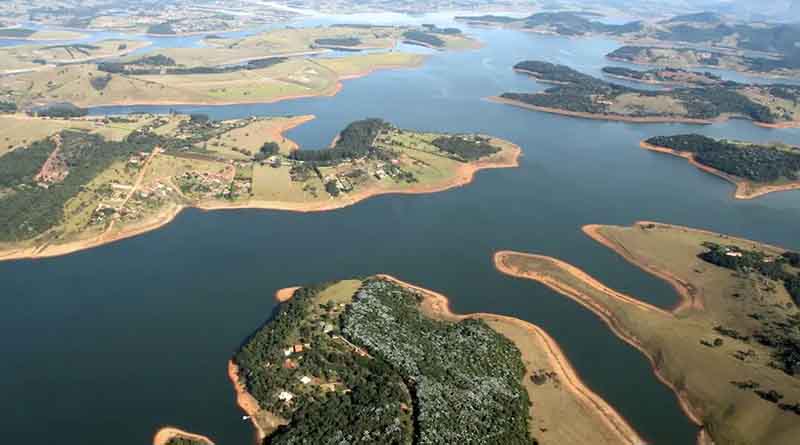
{"x":246,"y":402}
{"x":744,"y":189}
{"x":464,"y":175}
{"x":604,"y":117}
{"x":167,"y":433}
{"x":436,"y":305}
{"x":686,"y":300}
{"x":285,"y":294}
{"x":607,"y":318}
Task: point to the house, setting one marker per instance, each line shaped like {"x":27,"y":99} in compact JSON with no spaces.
{"x":734,"y":254}
{"x":285,"y":396}
{"x":287,"y":352}
{"x":297,"y":348}
{"x":305,"y":380}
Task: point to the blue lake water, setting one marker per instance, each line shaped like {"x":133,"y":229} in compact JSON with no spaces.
{"x":116,"y":341}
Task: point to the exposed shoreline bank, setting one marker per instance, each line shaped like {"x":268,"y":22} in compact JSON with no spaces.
{"x":602,"y":313}
{"x":507,"y":158}
{"x":744,"y":189}
{"x":167,"y":433}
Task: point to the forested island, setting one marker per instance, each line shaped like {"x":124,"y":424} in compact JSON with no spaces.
{"x":755,"y":169}
{"x":580,"y":95}
{"x":73,"y":183}
{"x":377,"y":360}
{"x":730,"y":349}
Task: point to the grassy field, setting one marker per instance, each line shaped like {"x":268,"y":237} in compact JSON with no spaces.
{"x":296,"y":77}
{"x":701,"y":374}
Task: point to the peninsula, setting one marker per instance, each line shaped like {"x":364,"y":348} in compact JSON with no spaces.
{"x":333,"y":352}
{"x":755,"y":169}
{"x":581,"y":95}
{"x":730,"y":349}
{"x":85,"y":182}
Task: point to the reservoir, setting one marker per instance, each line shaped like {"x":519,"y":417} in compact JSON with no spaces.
{"x":112,"y":343}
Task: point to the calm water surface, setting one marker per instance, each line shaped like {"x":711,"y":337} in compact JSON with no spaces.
{"x":116,"y":341}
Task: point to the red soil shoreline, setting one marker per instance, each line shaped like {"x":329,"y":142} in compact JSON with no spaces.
{"x":165,"y":434}
{"x":585,"y":301}
{"x":744,"y":189}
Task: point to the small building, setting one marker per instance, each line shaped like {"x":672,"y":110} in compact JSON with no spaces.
{"x":285,"y":396}
{"x":298,"y":348}
{"x":287,"y":352}
{"x":305,"y":380}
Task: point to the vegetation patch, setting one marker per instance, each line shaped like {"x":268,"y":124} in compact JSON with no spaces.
{"x":370,"y":368}
{"x":758,"y":163}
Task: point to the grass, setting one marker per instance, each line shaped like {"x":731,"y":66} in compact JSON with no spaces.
{"x":703,"y":375}
{"x":251,"y":137}
{"x":275,"y":185}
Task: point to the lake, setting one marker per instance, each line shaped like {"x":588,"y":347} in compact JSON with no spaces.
{"x":114,"y":342}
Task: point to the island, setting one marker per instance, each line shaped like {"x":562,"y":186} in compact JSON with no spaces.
{"x":581,"y":95}
{"x":261,"y":68}
{"x":387,"y":362}
{"x":755,"y":169}
{"x":730,"y":349}
{"x":72,"y":183}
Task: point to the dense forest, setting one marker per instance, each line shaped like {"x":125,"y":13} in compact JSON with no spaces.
{"x":779,"y":332}
{"x":158,"y":64}
{"x":60,"y":110}
{"x":465,"y":149}
{"x":419,"y":381}
{"x":465,"y":377}
{"x":579,"y":92}
{"x":758,"y":163}
{"x":161,"y":28}
{"x":338,"y":41}
{"x":355,"y":141}
{"x":415,"y":36}
{"x":28,"y":210}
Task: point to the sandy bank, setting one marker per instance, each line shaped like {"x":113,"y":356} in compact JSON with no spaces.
{"x":744,"y":189}
{"x":437,"y":305}
{"x":164,"y":435}
{"x":502,"y":264}
{"x":285,"y":294}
